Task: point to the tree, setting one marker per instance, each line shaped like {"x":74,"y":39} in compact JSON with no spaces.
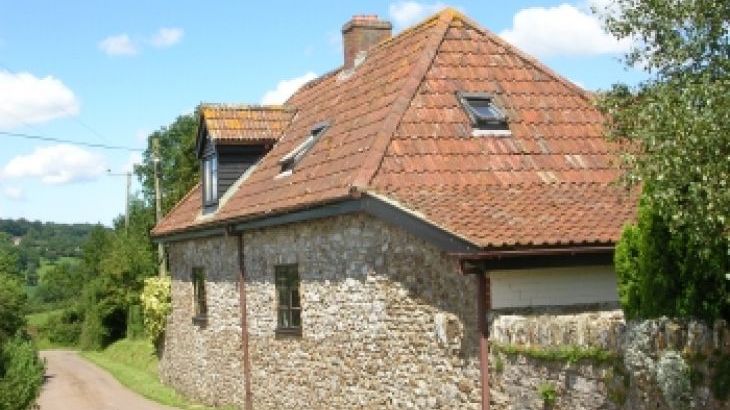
{"x":178,"y":165}
{"x":9,"y":260}
{"x":677,"y":128}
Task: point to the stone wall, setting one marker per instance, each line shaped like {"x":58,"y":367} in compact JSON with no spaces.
{"x":388,"y":321}
{"x":203,"y":361}
{"x":656,"y":364}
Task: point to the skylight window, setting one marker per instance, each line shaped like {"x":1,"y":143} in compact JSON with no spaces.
{"x":486,"y":118}
{"x":289,"y":160}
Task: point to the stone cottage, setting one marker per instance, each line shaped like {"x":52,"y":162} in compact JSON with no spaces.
{"x":344,"y":250}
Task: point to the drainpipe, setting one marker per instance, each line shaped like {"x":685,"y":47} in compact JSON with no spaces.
{"x":248,"y":403}
{"x":483,"y":302}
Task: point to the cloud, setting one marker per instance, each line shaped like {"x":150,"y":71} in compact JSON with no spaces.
{"x":13,"y":193}
{"x":135,"y":158}
{"x":561,"y":30}
{"x":285,"y":88}
{"x":119,"y":45}
{"x":55,"y":164}
{"x":406,"y":13}
{"x":167,"y":36}
{"x":27,"y":99}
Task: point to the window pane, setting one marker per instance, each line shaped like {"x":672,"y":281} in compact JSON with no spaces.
{"x":484,"y":109}
{"x":283,"y":318}
{"x":295,"y":298}
{"x":296,"y":318}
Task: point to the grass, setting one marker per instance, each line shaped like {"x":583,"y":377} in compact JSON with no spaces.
{"x":134,"y":364}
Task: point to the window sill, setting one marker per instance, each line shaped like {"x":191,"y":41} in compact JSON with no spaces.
{"x":201,"y":321}
{"x":295,"y":333}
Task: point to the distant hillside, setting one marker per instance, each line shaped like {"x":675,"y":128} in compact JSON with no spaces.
{"x":38,"y":241}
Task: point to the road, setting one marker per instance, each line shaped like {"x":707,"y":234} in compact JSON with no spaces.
{"x":72,"y":383}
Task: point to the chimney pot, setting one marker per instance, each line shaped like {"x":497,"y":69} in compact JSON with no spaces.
{"x":360,"y":34}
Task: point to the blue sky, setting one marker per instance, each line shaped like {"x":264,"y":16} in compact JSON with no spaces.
{"x":111,"y":72}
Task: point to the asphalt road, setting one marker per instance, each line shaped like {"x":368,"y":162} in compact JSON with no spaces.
{"x":72,"y":383}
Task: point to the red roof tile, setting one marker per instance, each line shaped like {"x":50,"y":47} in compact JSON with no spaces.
{"x":240,"y":124}
{"x":397,"y":130}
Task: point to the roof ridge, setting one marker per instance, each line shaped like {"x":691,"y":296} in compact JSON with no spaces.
{"x":400,"y":105}
{"x":244,"y":106}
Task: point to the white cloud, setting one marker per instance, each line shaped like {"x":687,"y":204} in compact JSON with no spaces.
{"x":561,"y":30}
{"x":406,"y":13}
{"x":135,"y":158}
{"x":167,"y":36}
{"x":119,"y":45}
{"x":55,"y":164}
{"x":285,"y":88}
{"x":27,"y":99}
{"x":14,"y":193}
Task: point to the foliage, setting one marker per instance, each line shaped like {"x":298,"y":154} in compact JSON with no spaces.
{"x":135,"y":323}
{"x":134,"y":364}
{"x":548,"y":393}
{"x":156,"y":302}
{"x":9,"y":261}
{"x":660,"y":273}
{"x":12,"y":307}
{"x":39,"y":240}
{"x":676,"y":131}
{"x":21,"y":374}
{"x":62,"y":328}
{"x":178,"y":165}
{"x":565,"y":353}
{"x":60,"y":282}
{"x":93,"y":334}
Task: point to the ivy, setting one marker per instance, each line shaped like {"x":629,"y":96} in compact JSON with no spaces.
{"x":566,"y":353}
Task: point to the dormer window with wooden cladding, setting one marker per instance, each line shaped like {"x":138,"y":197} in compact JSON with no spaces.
{"x":486,"y":118}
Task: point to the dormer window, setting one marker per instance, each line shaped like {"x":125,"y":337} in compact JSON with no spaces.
{"x":288,"y":161}
{"x":486,"y":118}
{"x":210,"y":180}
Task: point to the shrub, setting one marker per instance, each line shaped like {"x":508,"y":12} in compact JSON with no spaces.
{"x":63,"y":328}
{"x":156,"y":304}
{"x":135,"y":323}
{"x":548,"y":394}
{"x":21,"y":374}
{"x":93,"y":332}
{"x":665,"y":274}
{"x":12,"y":307}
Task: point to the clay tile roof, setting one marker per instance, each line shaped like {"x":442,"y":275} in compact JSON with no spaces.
{"x":238,"y":124}
{"x":397,"y":132}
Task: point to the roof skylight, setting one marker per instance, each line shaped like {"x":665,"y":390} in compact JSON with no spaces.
{"x":289,"y":160}
{"x":485,"y":116}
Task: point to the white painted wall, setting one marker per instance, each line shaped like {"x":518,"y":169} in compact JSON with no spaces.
{"x":553,"y":286}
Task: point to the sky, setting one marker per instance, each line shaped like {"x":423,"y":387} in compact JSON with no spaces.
{"x":110,"y":73}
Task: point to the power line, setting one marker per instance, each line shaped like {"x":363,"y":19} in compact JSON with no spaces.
{"x":65,"y":110}
{"x":85,"y":144}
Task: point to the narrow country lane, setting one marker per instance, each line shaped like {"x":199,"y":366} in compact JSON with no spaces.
{"x":72,"y":383}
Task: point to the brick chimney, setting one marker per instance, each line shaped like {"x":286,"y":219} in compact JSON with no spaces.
{"x":361,"y":33}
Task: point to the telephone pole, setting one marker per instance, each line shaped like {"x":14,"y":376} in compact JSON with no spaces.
{"x":126,"y":196}
{"x":158,"y":205}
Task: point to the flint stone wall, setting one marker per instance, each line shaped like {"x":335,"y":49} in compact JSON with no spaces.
{"x":660,"y":364}
{"x":204,"y":361}
{"x":388,"y":322}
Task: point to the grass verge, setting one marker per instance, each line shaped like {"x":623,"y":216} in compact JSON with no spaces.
{"x":134,"y":364}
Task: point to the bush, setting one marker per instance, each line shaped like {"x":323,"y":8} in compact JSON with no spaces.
{"x":156,"y":303}
{"x":93,"y":332}
{"x":63,"y":328}
{"x":12,"y":307}
{"x":665,"y":274}
{"x":21,"y":374}
{"x":135,"y":324}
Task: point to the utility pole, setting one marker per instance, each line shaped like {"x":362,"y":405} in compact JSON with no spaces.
{"x":158,"y":204}
{"x":127,"y":192}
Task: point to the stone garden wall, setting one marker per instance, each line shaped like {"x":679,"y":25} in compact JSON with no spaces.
{"x":596,"y":360}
